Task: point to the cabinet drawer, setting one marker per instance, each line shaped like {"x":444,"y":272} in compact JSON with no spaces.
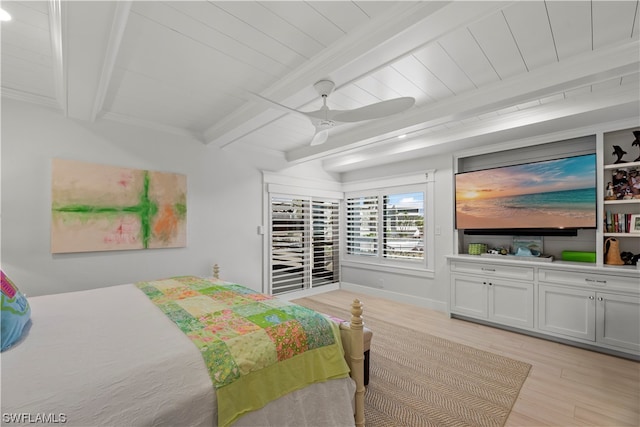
{"x":497,"y":270}
{"x":595,"y":280}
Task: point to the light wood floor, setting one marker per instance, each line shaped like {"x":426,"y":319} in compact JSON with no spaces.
{"x":567,"y":386}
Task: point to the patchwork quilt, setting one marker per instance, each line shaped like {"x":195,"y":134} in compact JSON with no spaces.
{"x":257,"y":348}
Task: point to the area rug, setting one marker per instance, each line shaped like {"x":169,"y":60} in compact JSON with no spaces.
{"x":417,"y":379}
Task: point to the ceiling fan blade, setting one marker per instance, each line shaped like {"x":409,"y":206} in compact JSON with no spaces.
{"x":375,"y":111}
{"x":320,"y":137}
{"x":273,"y":104}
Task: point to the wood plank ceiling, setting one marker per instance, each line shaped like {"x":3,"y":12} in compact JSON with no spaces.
{"x":474,"y":68}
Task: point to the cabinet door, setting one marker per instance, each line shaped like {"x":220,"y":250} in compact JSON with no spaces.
{"x":511,"y":303}
{"x":618,"y":320}
{"x":469,"y":296}
{"x":565,"y":311}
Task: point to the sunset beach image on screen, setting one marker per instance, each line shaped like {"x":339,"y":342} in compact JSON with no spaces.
{"x":550,"y":194}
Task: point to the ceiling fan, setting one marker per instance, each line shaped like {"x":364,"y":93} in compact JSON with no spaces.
{"x":325,"y":118}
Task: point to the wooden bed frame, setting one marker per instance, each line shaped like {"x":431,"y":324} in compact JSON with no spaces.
{"x":355,"y":359}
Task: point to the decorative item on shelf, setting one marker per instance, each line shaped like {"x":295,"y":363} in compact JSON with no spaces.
{"x":629,"y":258}
{"x":619,"y":153}
{"x":609,"y":194}
{"x":531,"y":246}
{"x":477,"y":248}
{"x":498,"y":251}
{"x":612,"y":252}
{"x":636,"y":141}
{"x":634,"y":183}
{"x":620,"y":184}
{"x":634,"y":224}
{"x":579,"y":256}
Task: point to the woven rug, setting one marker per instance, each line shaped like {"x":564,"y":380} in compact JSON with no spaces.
{"x":417,"y":379}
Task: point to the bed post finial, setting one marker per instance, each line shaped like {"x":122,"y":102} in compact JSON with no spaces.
{"x":357,"y":359}
{"x":216,"y":271}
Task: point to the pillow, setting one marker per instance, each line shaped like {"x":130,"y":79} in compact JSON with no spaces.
{"x":15,"y":312}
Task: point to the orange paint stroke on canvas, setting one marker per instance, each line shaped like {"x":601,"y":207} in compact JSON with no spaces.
{"x":166,"y":226}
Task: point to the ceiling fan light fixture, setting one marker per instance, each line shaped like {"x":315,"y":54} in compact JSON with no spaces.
{"x":4,"y":15}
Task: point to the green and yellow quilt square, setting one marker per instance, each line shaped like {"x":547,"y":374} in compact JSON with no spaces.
{"x":316,"y":326}
{"x":230,"y":298}
{"x":270,"y":317}
{"x":220,"y":363}
{"x":253,"y":351}
{"x":227,"y":324}
{"x":200,"y":305}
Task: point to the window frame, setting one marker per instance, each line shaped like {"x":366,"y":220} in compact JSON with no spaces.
{"x":389,"y":186}
{"x":275,"y":184}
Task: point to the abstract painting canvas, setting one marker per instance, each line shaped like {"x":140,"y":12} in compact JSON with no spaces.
{"x":104,"y":208}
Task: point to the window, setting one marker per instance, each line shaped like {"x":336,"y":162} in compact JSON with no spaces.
{"x":362,"y":225}
{"x":304,"y":243}
{"x":386,"y":225}
{"x":403,"y":220}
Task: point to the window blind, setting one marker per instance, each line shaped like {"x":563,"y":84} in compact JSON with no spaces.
{"x":304,"y":243}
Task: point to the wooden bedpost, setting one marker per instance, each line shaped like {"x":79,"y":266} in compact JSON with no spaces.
{"x":216,"y":271}
{"x":357,"y":359}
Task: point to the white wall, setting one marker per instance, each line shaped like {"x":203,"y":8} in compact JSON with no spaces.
{"x":224,"y":203}
{"x":428,"y":290}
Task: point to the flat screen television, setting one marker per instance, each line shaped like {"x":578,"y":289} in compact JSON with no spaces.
{"x":543,"y":197}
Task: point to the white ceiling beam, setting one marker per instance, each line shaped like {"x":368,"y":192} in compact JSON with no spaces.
{"x":382,"y":40}
{"x":589,"y":68}
{"x":57,"y":30}
{"x":395,"y":151}
{"x":92,"y":39}
{"x":118,"y":26}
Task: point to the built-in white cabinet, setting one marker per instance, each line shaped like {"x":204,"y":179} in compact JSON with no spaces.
{"x":568,"y":312}
{"x":490,"y":292}
{"x":599,"y":308}
{"x":610,"y":320}
{"x":596,"y":306}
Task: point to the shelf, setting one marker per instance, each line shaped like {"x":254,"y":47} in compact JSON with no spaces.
{"x":621,"y":235}
{"x":622,"y":165}
{"x":622,"y":202}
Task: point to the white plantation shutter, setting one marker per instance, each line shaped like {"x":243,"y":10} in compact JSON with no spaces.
{"x":386,"y":225}
{"x":362,"y":225}
{"x":289,"y":236}
{"x":304,"y":243}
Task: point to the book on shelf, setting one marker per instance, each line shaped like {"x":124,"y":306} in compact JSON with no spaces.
{"x":617,"y":222}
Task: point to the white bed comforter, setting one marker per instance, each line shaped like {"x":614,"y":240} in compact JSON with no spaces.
{"x":108,"y":357}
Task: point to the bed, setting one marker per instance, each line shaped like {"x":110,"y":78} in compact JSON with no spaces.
{"x":112,"y":357}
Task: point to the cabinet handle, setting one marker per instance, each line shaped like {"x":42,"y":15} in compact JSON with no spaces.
{"x":595,"y":281}
{"x":591,"y":297}
{"x":600,"y":299}
{"x":488,"y":269}
{"x":490,"y":284}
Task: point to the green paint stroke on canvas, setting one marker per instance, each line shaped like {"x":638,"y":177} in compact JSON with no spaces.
{"x":146,"y":209}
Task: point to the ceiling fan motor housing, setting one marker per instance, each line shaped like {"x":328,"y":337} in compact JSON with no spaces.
{"x":324,"y":87}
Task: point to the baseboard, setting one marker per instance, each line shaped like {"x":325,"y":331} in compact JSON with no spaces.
{"x":308,"y":292}
{"x":547,"y":337}
{"x":396,"y":296}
